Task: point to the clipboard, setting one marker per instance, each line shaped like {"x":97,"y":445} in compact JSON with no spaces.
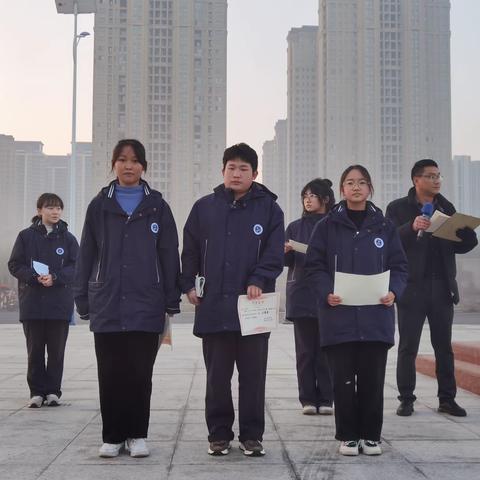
{"x":446,"y":227}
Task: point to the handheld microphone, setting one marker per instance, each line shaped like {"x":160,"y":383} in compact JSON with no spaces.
{"x":427,"y":212}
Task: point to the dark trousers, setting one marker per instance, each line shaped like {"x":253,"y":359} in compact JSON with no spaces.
{"x":358,"y":379}
{"x":125,"y":366}
{"x":432,"y":300}
{"x":221,"y":351}
{"x":313,"y":371}
{"x":43,"y":377}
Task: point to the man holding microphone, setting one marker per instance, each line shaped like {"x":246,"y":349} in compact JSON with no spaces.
{"x":431,"y":290}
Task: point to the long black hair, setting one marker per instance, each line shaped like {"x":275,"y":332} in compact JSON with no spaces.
{"x":322,"y":188}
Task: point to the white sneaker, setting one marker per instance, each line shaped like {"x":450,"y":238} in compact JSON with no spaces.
{"x":52,"y":400}
{"x":35,"y":402}
{"x":110,"y":450}
{"x":309,"y":410}
{"x":369,"y":447}
{"x":325,"y":410}
{"x":137,"y":447}
{"x":349,"y":448}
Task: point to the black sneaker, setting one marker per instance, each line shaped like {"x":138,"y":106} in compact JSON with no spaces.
{"x":220,"y":447}
{"x":452,"y":408}
{"x":405,"y":409}
{"x":252,"y":448}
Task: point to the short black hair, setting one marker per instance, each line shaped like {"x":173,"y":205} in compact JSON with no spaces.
{"x":322,"y":188}
{"x":243,"y":152}
{"x":137,"y":147}
{"x":419,"y":166}
{"x":48,"y":200}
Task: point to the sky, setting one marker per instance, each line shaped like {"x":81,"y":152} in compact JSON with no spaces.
{"x":36,"y":71}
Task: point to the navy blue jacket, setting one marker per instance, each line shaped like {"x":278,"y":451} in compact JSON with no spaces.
{"x":301,"y":300}
{"x":57,"y":249}
{"x":402,"y":213}
{"x":128,"y":267}
{"x":233,"y":244}
{"x":337,"y":243}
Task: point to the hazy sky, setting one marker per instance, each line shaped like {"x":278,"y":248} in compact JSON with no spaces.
{"x":36,"y":71}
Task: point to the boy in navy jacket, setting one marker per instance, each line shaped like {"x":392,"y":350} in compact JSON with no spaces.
{"x":234,"y":239}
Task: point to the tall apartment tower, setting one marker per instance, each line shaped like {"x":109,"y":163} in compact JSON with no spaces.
{"x":160,"y":77}
{"x":302,"y":114}
{"x":274,"y":163}
{"x":466,"y":176}
{"x":384,"y":89}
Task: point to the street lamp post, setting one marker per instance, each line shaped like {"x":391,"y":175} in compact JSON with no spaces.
{"x":74,"y":7}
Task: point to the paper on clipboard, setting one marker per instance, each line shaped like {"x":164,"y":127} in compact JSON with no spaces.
{"x":259,"y":315}
{"x":298,"y":247}
{"x":361,"y":290}
{"x":449,"y":228}
{"x":437,"y":220}
{"x":40,"y":268}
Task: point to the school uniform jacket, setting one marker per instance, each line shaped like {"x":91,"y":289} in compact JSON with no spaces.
{"x":233,"y":244}
{"x":337,"y":244}
{"x":301,"y":300}
{"x":128,"y":266}
{"x":57,"y":249}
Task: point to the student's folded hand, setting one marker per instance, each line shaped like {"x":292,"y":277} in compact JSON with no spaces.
{"x":253,"y":292}
{"x":333,"y":300}
{"x":192,"y":297}
{"x":388,"y":299}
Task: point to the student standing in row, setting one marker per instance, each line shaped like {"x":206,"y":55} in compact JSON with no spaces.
{"x":356,"y":238}
{"x":126,"y":281}
{"x":313,"y":372}
{"x":234,"y":238}
{"x":46,"y":299}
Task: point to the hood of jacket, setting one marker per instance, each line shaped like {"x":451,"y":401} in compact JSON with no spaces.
{"x":257,"y":190}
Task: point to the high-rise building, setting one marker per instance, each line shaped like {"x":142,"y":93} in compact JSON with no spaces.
{"x":384,"y":89}
{"x":274,"y":163}
{"x":466,"y":177}
{"x":160,"y":77}
{"x":302,"y":114}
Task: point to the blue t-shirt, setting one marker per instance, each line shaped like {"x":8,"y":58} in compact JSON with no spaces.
{"x":129,"y":197}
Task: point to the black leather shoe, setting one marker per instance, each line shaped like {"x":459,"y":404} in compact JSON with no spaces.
{"x":452,"y":408}
{"x":405,"y":409}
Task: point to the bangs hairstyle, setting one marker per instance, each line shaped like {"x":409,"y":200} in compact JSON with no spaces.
{"x":364,"y":172}
{"x":322,"y":188}
{"x":137,"y":148}
{"x":243,"y":152}
{"x":48,"y":200}
{"x":420,"y":166}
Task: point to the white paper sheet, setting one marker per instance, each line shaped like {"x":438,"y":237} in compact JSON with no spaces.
{"x":259,"y":315}
{"x":361,"y":290}
{"x":298,"y":247}
{"x":437,"y":220}
{"x":40,"y":268}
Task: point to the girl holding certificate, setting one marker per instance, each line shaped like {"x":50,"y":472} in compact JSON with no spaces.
{"x":313,"y":373}
{"x":43,"y":260}
{"x":356,"y":238}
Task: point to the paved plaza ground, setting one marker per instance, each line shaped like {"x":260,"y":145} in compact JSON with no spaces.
{"x":62,"y":442}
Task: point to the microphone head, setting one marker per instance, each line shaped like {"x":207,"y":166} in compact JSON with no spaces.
{"x":427,"y":209}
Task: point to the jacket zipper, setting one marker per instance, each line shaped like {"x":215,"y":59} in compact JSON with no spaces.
{"x":99,"y":263}
{"x":205,"y":258}
{"x":258,"y":250}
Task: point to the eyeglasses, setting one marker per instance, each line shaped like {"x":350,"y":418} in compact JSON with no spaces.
{"x":353,"y":183}
{"x":433,"y":177}
{"x":309,"y":195}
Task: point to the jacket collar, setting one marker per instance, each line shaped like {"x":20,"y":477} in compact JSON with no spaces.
{"x":439,"y":201}
{"x":257,"y":190}
{"x":110,"y":189}
{"x":339,"y":214}
{"x":58,"y":228}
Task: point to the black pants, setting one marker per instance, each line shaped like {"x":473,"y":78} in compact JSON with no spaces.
{"x":45,"y":378}
{"x":221,"y":351}
{"x":431,"y":299}
{"x":125,"y":366}
{"x":358,"y":379}
{"x":313,"y":371}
